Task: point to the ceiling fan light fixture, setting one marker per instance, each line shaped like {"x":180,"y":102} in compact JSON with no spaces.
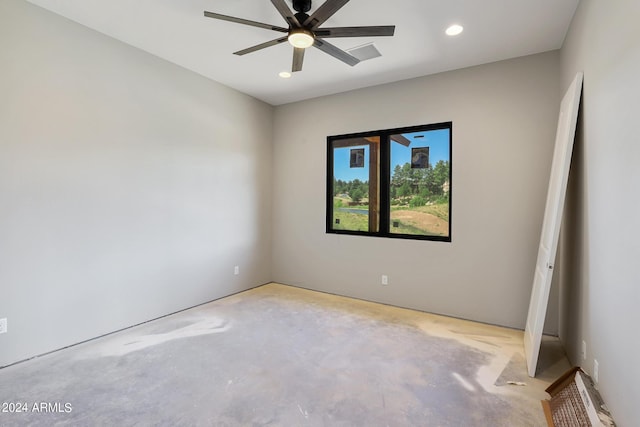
{"x":301,"y":38}
{"x":303,"y":30}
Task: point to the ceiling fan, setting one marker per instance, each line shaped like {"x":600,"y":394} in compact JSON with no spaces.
{"x":304,"y":31}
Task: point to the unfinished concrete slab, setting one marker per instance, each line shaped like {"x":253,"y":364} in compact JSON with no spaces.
{"x":284,"y":356}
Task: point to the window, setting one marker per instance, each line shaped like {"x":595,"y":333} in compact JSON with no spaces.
{"x":391,"y":183}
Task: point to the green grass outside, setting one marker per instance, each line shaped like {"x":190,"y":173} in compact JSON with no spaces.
{"x":350,"y":221}
{"x":440,"y":210}
{"x":408,"y":229}
{"x":360,"y":222}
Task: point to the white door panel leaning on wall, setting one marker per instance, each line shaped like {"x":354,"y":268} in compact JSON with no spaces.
{"x":551,"y":225}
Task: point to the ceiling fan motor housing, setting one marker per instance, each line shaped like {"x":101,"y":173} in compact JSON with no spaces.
{"x":302,"y":5}
{"x":301,"y":17}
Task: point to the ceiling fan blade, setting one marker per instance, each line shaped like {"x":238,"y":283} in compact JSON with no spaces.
{"x":337,"y":53}
{"x":383,"y":30}
{"x":245,"y":22}
{"x":260,"y":46}
{"x":298,"y":57}
{"x":286,"y":13}
{"x":323,"y":13}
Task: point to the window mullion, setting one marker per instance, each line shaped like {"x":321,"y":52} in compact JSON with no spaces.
{"x":384,"y":184}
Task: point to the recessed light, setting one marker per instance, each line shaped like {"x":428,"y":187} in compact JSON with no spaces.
{"x":454,"y":30}
{"x":285,"y":74}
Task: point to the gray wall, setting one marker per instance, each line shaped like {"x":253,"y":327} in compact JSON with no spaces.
{"x":504,"y":121}
{"x":129,"y":187}
{"x":601,"y":284}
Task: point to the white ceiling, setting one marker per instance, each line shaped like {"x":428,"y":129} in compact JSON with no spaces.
{"x":177,"y":31}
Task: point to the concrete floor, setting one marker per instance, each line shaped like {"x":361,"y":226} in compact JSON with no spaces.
{"x":282,"y":356}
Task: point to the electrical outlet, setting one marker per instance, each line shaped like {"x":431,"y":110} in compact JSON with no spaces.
{"x":385,"y":279}
{"x":584,"y":350}
{"x":596,"y":369}
{"x":3,"y":326}
{"x":236,"y":270}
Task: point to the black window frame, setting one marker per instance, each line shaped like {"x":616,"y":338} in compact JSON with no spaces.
{"x":385,"y":178}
